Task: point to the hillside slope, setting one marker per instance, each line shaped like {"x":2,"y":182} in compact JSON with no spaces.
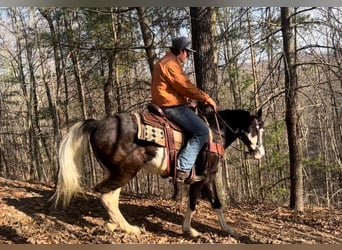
{"x":27,"y":218}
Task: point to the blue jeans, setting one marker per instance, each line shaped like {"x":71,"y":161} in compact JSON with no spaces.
{"x":192,"y":124}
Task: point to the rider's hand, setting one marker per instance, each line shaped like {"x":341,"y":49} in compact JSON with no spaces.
{"x":192,"y":104}
{"x":212,"y":103}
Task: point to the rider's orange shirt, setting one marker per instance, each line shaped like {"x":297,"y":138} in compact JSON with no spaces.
{"x":171,"y":86}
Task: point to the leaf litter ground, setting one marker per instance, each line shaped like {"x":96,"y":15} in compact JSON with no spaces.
{"x":27,"y":218}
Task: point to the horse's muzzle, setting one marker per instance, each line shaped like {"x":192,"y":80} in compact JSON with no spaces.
{"x":259,"y":152}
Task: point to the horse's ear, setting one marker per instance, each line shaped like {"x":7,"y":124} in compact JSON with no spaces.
{"x":259,"y":114}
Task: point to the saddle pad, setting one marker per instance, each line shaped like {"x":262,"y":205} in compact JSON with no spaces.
{"x":156,"y":135}
{"x":152,"y":134}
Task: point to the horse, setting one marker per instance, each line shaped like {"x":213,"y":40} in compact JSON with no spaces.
{"x":121,"y":155}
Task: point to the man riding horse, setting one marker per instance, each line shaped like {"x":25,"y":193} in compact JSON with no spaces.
{"x":171,"y":89}
{"x":121,"y":153}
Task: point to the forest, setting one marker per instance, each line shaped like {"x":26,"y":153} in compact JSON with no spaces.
{"x":63,"y":65}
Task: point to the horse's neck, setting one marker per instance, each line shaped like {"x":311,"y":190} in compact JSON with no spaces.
{"x":221,"y":123}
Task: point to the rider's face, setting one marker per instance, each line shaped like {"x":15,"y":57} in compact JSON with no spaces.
{"x":183,"y":55}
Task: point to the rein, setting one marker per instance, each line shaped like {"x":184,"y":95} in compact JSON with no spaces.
{"x":236,"y":132}
{"x":224,"y":162}
{"x":219,"y":130}
{"x":225,"y":123}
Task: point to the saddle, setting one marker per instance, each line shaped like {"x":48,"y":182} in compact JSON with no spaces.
{"x":154,"y":126}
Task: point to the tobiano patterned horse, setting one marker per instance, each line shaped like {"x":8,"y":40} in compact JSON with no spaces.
{"x":121,"y":155}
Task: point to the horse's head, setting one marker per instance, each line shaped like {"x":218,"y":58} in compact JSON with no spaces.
{"x":251,"y":136}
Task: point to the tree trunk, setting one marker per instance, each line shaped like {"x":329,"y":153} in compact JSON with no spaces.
{"x":206,"y":70}
{"x":292,"y":117}
{"x":53,"y":101}
{"x":108,"y":86}
{"x":255,"y":78}
{"x":147,"y":34}
{"x":203,"y":41}
{"x":32,"y":102}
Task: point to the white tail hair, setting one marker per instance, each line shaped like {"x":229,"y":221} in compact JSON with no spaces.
{"x":70,"y":155}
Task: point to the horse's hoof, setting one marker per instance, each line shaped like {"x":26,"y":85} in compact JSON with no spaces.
{"x":231,"y":232}
{"x":133,"y":230}
{"x":247,"y":240}
{"x":111,"y":227}
{"x":192,"y":233}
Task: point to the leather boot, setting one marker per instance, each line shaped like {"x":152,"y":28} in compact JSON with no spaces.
{"x":188,"y":177}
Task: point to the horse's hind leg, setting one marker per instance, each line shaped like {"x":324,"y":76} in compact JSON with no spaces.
{"x":110,"y":201}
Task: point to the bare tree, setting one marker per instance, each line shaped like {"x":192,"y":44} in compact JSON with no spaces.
{"x":148,"y":36}
{"x":203,"y":39}
{"x":292,"y":117}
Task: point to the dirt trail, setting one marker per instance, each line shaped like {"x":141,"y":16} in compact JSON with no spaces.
{"x":25,"y":217}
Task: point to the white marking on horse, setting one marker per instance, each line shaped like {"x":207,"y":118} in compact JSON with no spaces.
{"x":111,"y":202}
{"x":256,"y":144}
{"x":158,"y":165}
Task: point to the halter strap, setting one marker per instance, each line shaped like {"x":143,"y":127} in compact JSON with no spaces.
{"x":237,"y":131}
{"x":225,"y":123}
{"x":257,"y":127}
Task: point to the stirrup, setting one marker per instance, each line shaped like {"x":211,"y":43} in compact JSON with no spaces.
{"x":193,"y":177}
{"x":188,"y":178}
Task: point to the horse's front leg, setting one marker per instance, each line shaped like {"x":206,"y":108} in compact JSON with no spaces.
{"x":110,"y":201}
{"x":194,"y":193}
{"x":211,"y":193}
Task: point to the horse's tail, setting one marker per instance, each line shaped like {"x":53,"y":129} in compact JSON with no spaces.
{"x":71,"y":150}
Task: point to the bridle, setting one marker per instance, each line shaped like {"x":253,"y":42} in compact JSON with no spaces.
{"x":257,"y":127}
{"x":241,"y":134}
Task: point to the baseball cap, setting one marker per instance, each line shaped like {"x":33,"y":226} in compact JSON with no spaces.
{"x":182,"y":43}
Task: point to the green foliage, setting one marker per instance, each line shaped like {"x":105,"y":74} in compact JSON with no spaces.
{"x":317,"y":163}
{"x":46,"y":113}
{"x":246,"y":81}
{"x":314,"y":162}
{"x":276,"y":144}
{"x":278,"y":195}
{"x":276,"y":132}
